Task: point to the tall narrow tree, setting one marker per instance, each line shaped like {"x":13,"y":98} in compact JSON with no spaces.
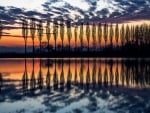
{"x":99,"y":34}
{"x":62,"y":30}
{"x":127,"y":34}
{"x":105,"y":33}
{"x":25,"y":32}
{"x":111,"y":34}
{"x":1,"y":28}
{"x":117,"y":33}
{"x":94,"y":36}
{"x":81,"y":36}
{"x":75,"y":35}
{"x":69,"y":35}
{"x":48,"y":34}
{"x":122,"y":34}
{"x":40,"y":33}
{"x":88,"y":34}
{"x":32,"y":32}
{"x":55,"y":31}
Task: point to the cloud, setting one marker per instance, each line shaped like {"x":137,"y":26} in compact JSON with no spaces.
{"x":76,"y":10}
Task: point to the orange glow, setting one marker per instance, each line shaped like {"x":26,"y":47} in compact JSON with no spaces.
{"x":13,"y":40}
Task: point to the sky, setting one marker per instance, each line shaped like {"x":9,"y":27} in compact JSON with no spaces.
{"x":122,"y":11}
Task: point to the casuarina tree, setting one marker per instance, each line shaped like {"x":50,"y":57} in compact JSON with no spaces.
{"x":99,"y":33}
{"x":69,"y":35}
{"x":111,"y":34}
{"x":75,"y":35}
{"x":40,"y":33}
{"x":62,"y":30}
{"x":48,"y":34}
{"x":81,"y":35}
{"x":25,"y":32}
{"x":32,"y":31}
{"x":55,"y":31}
{"x":88,"y":34}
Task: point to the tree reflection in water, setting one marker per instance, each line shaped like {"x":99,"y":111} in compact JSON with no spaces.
{"x":121,"y":84}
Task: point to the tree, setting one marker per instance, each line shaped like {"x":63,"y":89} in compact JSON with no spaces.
{"x":111,"y":34}
{"x":122,"y":34}
{"x":81,"y":35}
{"x":137,"y":34}
{"x":69,"y":32}
{"x":32,"y":32}
{"x":88,"y":34}
{"x":99,"y":33}
{"x":40,"y":32}
{"x":75,"y":35}
{"x":94,"y":35}
{"x":127,"y":34}
{"x":48,"y":34}
{"x":117,"y":33}
{"x":55,"y":31}
{"x":62,"y":30}
{"x":1,"y":28}
{"x":105,"y":33}
{"x":25,"y":32}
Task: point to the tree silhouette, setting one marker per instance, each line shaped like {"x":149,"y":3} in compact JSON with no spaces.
{"x":137,"y":34}
{"x":127,"y":34}
{"x":1,"y":28}
{"x":75,"y":35}
{"x":25,"y":32}
{"x":69,"y":32}
{"x":105,"y":33}
{"x":32,"y":31}
{"x":88,"y":34}
{"x":99,"y":34}
{"x":81,"y":36}
{"x":94,"y":35}
{"x":122,"y":34}
{"x":55,"y":31}
{"x":62,"y":30}
{"x":48,"y":34}
{"x":111,"y":34}
{"x":116,"y":33}
{"x":40,"y":32}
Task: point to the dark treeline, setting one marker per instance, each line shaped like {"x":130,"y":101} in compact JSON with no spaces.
{"x":99,"y":38}
{"x":117,"y":39}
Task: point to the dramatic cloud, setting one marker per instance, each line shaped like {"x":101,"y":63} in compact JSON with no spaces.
{"x":76,"y":10}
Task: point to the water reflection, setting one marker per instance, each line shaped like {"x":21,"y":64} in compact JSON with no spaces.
{"x":122,"y":82}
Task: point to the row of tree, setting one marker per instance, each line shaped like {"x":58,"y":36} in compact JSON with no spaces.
{"x":113,"y":35}
{"x":110,"y":33}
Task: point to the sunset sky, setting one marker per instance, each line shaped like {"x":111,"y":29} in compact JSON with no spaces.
{"x":110,"y":11}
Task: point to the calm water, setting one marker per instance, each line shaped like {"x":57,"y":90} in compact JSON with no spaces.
{"x":75,"y":85}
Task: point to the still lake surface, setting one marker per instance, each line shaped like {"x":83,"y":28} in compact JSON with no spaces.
{"x":75,"y":85}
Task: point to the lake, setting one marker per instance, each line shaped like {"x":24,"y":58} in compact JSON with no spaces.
{"x":75,"y":85}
